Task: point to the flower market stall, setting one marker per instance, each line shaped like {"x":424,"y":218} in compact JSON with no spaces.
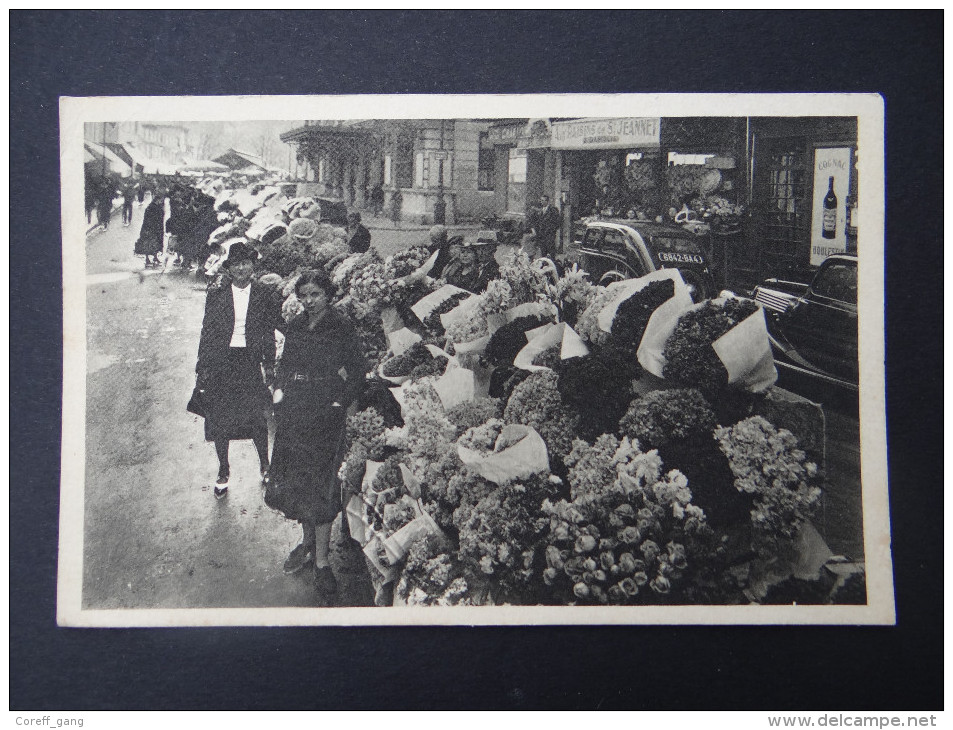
{"x":554,"y":442}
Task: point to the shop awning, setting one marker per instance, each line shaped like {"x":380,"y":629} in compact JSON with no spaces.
{"x":148,"y":165}
{"x":112,"y":162}
{"x":330,"y":138}
{"x":202,"y":166}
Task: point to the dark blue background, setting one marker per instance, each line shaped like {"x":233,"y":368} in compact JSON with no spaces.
{"x":156,"y":53}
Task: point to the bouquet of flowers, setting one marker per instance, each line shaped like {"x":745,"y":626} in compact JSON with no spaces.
{"x":570,"y":294}
{"x":536,"y":403}
{"x":587,"y":325}
{"x":719,"y":343}
{"x":426,"y":429}
{"x":527,"y":282}
{"x":629,"y":534}
{"x":336,"y":248}
{"x":502,"y":453}
{"x":505,"y":344}
{"x":429,"y":312}
{"x":370,"y":289}
{"x":432,"y":576}
{"x":342,"y":274}
{"x":468,"y":331}
{"x":473,"y":413}
{"x":768,"y":464}
{"x":679,"y":423}
{"x":500,"y":535}
{"x":633,"y":314}
{"x":417,"y":361}
{"x":665,"y":416}
{"x":598,"y":386}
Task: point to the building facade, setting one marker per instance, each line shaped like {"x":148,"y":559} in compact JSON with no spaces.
{"x":440,"y":166}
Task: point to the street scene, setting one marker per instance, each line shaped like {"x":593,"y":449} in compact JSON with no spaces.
{"x":523,"y":361}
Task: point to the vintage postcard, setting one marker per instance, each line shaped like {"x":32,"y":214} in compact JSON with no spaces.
{"x":458,"y":360}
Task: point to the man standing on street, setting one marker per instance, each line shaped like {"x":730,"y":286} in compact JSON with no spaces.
{"x":359,"y":238}
{"x":545,"y":224}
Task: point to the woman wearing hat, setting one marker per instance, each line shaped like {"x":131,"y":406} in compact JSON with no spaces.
{"x":321,"y":373}
{"x":465,"y":271}
{"x":237,"y":343}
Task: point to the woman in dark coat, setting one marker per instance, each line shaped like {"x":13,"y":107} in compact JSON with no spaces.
{"x":237,"y":344}
{"x":320,"y":375}
{"x":152,"y":232}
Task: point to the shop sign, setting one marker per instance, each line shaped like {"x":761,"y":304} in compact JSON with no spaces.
{"x":611,"y":133}
{"x":534,"y":134}
{"x":831,"y":186}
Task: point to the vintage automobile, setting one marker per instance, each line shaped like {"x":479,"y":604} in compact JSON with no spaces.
{"x":813,"y":327}
{"x":615,"y":249}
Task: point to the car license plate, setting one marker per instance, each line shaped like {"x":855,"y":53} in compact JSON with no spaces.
{"x":680,"y":258}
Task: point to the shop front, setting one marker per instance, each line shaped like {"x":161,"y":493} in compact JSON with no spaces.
{"x":804,"y":191}
{"x":607,"y":166}
{"x":526,"y":165}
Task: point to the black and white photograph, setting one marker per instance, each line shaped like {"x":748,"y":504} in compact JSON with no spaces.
{"x":554,"y":359}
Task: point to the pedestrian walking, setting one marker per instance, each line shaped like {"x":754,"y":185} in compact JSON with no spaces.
{"x":237,"y":344}
{"x":320,"y":375}
{"x":128,"y":198}
{"x":396,"y":203}
{"x":149,"y":243}
{"x":104,"y":203}
{"x":141,"y":192}
{"x":359,"y":238}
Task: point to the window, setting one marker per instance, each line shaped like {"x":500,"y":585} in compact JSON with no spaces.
{"x":837,"y":281}
{"x":486,"y":164}
{"x":591,"y":239}
{"x":419,"y":181}
{"x":614,"y":243}
{"x":516,"y":181}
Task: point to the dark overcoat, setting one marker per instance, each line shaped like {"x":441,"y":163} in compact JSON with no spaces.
{"x":152,"y":231}
{"x":263,"y":318}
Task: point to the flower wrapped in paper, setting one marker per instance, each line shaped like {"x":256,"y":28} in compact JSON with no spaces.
{"x":417,"y":361}
{"x":719,"y":343}
{"x":559,"y":336}
{"x":536,"y":402}
{"x":429,"y":308}
{"x":518,"y":452}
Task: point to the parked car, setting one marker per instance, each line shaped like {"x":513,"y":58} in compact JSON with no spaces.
{"x":612,"y":250}
{"x":509,"y":227}
{"x":813,"y":327}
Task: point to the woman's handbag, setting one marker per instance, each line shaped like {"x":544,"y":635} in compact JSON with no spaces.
{"x":197,"y":403}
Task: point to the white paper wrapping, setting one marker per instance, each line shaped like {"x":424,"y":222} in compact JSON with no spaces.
{"x":745,"y":352}
{"x":522,"y":459}
{"x":622,"y":290}
{"x":571,"y":345}
{"x":661,"y":325}
{"x":426,"y":305}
